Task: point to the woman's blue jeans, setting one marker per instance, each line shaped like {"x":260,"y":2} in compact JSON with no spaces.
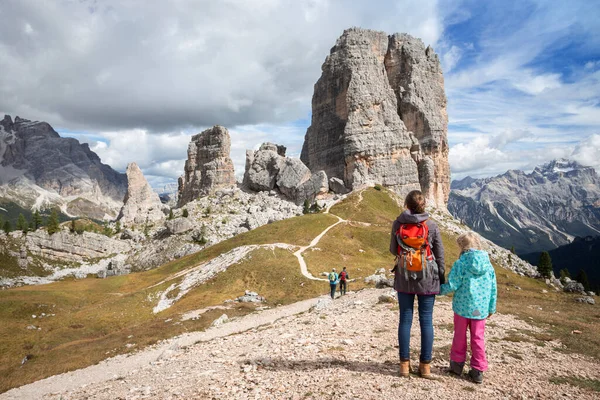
{"x":406,"y":302}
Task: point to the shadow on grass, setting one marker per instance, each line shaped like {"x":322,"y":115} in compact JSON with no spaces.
{"x":388,"y":368}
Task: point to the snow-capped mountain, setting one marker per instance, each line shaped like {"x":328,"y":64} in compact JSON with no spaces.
{"x":38,"y":169}
{"x":538,"y":211}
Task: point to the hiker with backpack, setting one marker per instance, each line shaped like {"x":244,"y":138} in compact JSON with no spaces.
{"x":343,"y":281}
{"x":473,"y":281}
{"x":333,"y":280}
{"x":419,"y":269}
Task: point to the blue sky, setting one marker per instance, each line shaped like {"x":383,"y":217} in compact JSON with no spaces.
{"x":136,"y":79}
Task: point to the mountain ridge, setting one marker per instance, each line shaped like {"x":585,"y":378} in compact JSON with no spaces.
{"x":40,"y":169}
{"x":537,"y":211}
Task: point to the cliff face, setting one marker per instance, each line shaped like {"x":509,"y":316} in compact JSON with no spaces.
{"x":208,"y":166}
{"x":38,"y":167}
{"x":378,"y":115}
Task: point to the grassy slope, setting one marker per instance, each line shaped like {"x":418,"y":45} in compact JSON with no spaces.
{"x":94,"y":318}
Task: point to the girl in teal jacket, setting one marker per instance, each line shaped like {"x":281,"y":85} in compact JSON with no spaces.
{"x":473,"y":281}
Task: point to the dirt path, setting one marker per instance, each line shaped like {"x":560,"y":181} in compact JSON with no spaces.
{"x":347,"y":349}
{"x":111,"y":368}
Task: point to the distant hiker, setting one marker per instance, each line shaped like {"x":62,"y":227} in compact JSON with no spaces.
{"x":417,"y":244}
{"x":473,"y":280}
{"x":344,"y":277}
{"x":333,"y":280}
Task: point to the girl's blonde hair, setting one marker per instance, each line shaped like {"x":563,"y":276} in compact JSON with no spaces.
{"x":468,"y":241}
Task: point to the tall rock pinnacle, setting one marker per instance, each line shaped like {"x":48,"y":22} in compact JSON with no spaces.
{"x":142,"y":204}
{"x":208,"y":166}
{"x":379,"y":115}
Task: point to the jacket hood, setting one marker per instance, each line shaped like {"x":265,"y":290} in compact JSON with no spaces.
{"x":476,"y":262}
{"x":409,"y":218}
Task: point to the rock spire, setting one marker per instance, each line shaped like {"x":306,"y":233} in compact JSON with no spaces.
{"x":379,"y":115}
{"x":142,"y":204}
{"x":208,"y":166}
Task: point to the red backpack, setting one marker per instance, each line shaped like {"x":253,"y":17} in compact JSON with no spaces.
{"x":343,"y":275}
{"x":413,"y":249}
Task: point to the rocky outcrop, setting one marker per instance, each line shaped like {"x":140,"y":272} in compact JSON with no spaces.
{"x":68,"y":247}
{"x":142,"y":204}
{"x":415,"y":75}
{"x":39,"y":168}
{"x":533,"y":212}
{"x":268,"y":169}
{"x":369,"y":85}
{"x":208,"y":166}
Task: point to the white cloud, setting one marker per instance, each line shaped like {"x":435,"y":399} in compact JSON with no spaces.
{"x":115,"y":65}
{"x":450,"y":58}
{"x":587,"y":152}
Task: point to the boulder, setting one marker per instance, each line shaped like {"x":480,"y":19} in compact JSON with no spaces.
{"x":208,"y":167}
{"x":262,"y":168}
{"x":387,"y":298}
{"x":141,"y":205}
{"x":291,"y":177}
{"x":574,"y":287}
{"x":586,"y":299}
{"x":220,"y":321}
{"x":337,"y":186}
{"x":381,"y":281}
{"x":179,"y":225}
{"x":250,"y":297}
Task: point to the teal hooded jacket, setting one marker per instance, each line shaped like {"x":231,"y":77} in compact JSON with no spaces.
{"x":473,"y":280}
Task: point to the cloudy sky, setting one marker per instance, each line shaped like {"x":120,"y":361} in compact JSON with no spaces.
{"x":136,"y":78}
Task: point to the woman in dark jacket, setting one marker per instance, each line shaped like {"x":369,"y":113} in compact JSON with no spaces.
{"x":425,"y":286}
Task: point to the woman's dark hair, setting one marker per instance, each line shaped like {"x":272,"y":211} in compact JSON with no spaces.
{"x":415,"y":202}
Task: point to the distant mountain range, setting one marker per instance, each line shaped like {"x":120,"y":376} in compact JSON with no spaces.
{"x":39,"y":169}
{"x":538,"y":211}
{"x":581,"y":254}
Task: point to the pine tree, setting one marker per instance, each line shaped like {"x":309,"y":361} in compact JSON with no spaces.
{"x":22,"y":223}
{"x":185,"y":213}
{"x":53,"y":224}
{"x":32,"y":225}
{"x":170,"y":214}
{"x":306,"y":209}
{"x":512,"y":250}
{"x":544,"y":266}
{"x":564,"y":273}
{"x":37,"y":219}
{"x":7,"y":226}
{"x":73,"y":227}
{"x":583,"y":279}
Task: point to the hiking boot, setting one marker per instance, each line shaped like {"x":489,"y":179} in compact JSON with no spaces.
{"x":404,"y":368}
{"x":476,"y":375}
{"x":456,"y":367}
{"x":424,"y":370}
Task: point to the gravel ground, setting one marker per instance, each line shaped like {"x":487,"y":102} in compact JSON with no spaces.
{"x":342,"y":349}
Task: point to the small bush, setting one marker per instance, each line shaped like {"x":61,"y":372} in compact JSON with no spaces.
{"x":185,"y":213}
{"x":377,"y":187}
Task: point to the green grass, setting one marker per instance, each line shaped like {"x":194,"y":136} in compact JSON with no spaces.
{"x":377,"y":207}
{"x":588,"y":384}
{"x":341,"y":248}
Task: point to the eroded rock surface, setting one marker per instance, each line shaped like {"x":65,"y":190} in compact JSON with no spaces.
{"x":378,"y":115}
{"x":268,"y":169}
{"x":142,"y":204}
{"x":208,"y":167}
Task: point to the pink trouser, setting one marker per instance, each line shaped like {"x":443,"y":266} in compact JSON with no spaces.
{"x":458,"y":353}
